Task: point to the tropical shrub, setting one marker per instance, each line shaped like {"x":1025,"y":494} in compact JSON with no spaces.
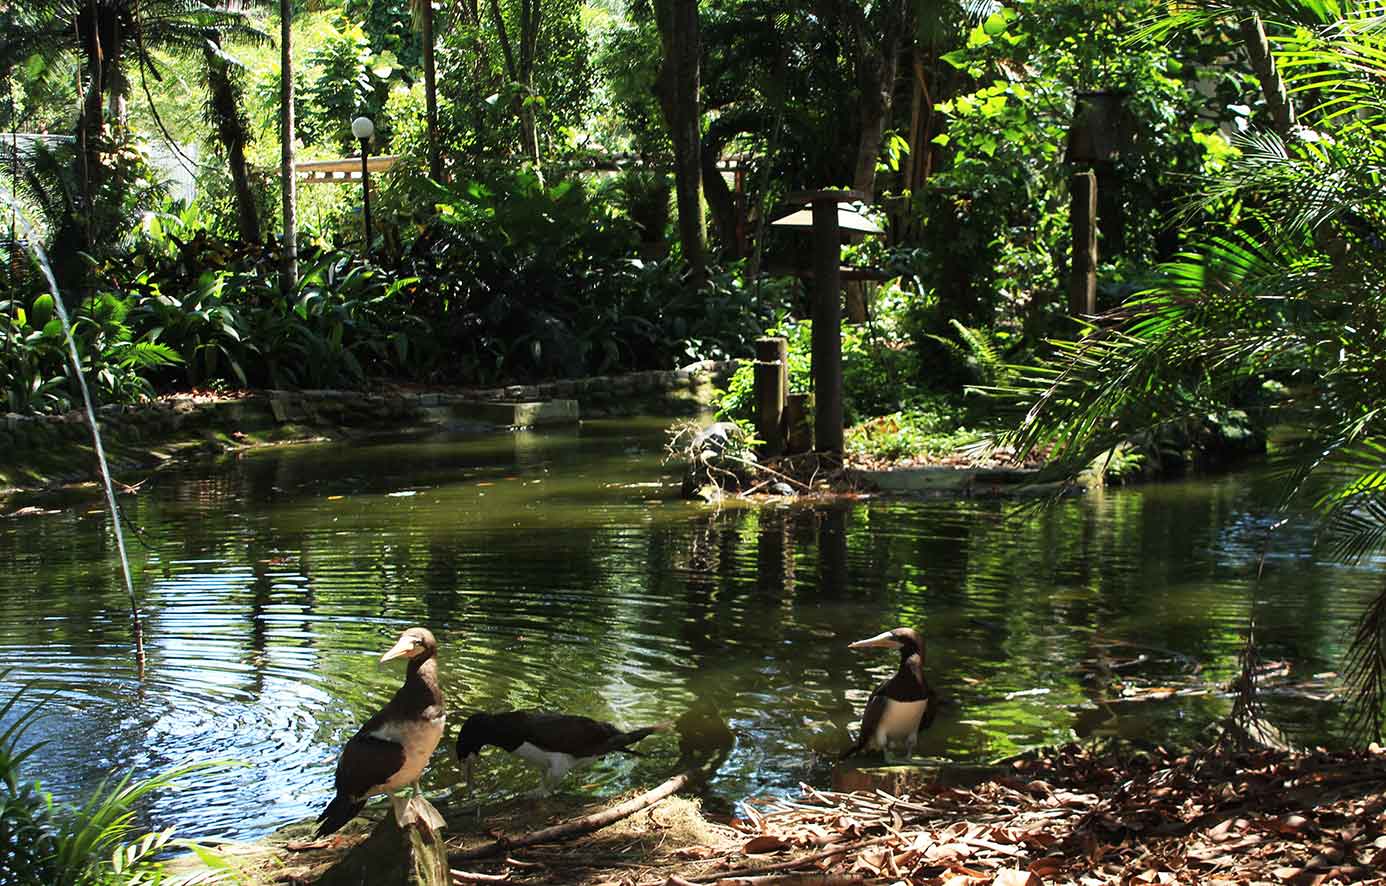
{"x":525,"y":280}
{"x":1289,"y":289}
{"x":35,"y":363}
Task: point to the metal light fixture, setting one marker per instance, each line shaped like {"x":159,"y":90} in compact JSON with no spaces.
{"x":363,"y":129}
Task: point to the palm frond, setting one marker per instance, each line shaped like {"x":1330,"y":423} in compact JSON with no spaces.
{"x":1365,"y":674}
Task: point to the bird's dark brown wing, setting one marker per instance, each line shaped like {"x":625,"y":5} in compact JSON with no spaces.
{"x":875,"y":709}
{"x":930,"y":708}
{"x":569,"y":734}
{"x":870,"y":719}
{"x":366,"y":762}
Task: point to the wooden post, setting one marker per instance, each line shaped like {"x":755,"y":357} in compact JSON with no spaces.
{"x":798,"y":434}
{"x":772,"y":378}
{"x":827,"y":327}
{"x":1111,"y":215}
{"x":832,"y":552}
{"x":1082,"y":280}
{"x":405,"y":849}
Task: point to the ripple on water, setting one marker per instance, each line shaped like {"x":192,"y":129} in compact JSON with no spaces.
{"x":274,"y":583}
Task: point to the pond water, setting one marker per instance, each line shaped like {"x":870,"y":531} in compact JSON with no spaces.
{"x":560,"y":570}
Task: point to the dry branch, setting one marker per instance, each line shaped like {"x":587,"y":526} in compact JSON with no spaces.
{"x":577,"y":827}
{"x":835,"y":849}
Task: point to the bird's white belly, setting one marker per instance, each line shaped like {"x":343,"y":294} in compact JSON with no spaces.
{"x":556,"y":763}
{"x":899,"y":721}
{"x":418,"y":738}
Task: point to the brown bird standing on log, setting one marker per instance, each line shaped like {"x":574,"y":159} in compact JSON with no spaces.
{"x":394,"y":746}
{"x":902,"y":705}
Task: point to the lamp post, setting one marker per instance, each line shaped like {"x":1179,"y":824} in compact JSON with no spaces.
{"x":363,"y":129}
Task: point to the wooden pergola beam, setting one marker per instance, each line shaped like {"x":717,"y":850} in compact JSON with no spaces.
{"x":347,"y":169}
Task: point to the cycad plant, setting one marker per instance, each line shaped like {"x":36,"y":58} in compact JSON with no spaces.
{"x":44,"y":843}
{"x":1288,"y":287}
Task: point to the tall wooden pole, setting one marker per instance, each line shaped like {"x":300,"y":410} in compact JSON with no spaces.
{"x":435,"y":158}
{"x":1082,"y":279}
{"x":827,"y":327}
{"x":289,"y":277}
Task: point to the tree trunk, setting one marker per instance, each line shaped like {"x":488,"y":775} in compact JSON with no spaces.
{"x":679,"y":97}
{"x":876,"y":67}
{"x":721,"y":201}
{"x":112,"y":80}
{"x":289,"y":277}
{"x":430,"y":72}
{"x":231,"y":131}
{"x":91,"y":125}
{"x":1272,"y":84}
{"x":521,"y":70}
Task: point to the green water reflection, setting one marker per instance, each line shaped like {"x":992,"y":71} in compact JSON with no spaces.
{"x":561,"y":570}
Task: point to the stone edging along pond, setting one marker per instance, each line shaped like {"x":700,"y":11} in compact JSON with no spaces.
{"x":45,"y":451}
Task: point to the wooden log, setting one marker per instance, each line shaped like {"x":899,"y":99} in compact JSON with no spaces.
{"x":827,"y":328}
{"x":834,"y":849}
{"x":772,"y":381}
{"x":577,"y":827}
{"x":1082,"y":280}
{"x":405,"y":848}
{"x":427,"y":851}
{"x":798,"y":431}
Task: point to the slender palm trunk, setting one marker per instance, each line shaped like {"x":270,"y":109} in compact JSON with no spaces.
{"x":231,"y":130}
{"x":435,"y":157}
{"x":1272,"y":84}
{"x":289,"y":276}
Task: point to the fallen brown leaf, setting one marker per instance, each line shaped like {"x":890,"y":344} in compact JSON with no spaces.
{"x":764,"y":844}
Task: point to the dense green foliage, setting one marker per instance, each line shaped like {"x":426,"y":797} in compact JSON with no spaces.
{"x":1283,"y":291}
{"x":524,"y":266}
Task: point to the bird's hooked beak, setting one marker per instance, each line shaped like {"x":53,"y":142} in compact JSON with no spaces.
{"x":880,"y":641}
{"x":404,"y":648}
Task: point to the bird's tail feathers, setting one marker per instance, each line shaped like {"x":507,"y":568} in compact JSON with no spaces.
{"x":856,"y":748}
{"x":340,"y":811}
{"x":626,"y":739}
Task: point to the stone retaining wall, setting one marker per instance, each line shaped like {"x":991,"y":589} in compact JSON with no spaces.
{"x":43,"y":450}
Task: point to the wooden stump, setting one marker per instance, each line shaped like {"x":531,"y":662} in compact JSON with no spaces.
{"x":772,"y":382}
{"x":406,"y":848}
{"x":798,"y":431}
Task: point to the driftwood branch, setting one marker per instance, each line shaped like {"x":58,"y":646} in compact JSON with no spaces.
{"x":836,"y":849}
{"x":578,"y":826}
